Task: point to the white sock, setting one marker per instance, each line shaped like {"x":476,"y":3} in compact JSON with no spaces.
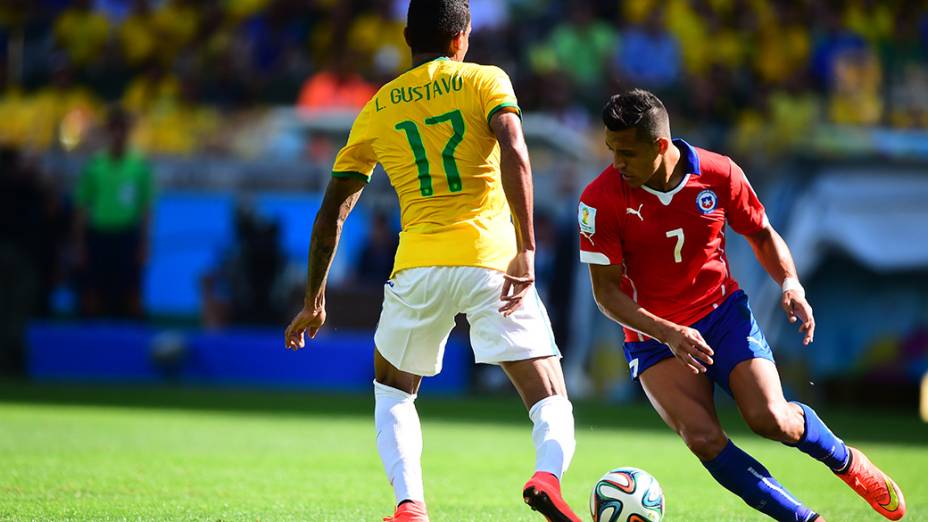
{"x":553,"y":434}
{"x":399,"y":441}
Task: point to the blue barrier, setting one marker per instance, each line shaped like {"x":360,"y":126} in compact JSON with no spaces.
{"x":295,"y":214}
{"x":241,"y":356}
{"x":188,"y":231}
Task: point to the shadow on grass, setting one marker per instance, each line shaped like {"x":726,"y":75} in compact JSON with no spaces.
{"x":854,"y":426}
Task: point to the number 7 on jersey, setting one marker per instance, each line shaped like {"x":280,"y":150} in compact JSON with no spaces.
{"x":678,"y":250}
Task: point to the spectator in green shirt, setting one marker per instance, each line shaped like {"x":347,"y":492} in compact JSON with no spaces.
{"x":114,"y":196}
{"x":584,"y":47}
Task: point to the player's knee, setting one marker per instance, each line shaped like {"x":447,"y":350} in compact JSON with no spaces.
{"x":770,"y":421}
{"x":705,"y":444}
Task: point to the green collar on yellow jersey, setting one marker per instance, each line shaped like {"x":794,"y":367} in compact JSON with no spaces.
{"x":423,"y":62}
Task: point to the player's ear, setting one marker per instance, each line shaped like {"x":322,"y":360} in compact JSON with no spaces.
{"x":456,"y":42}
{"x":662,"y":145}
{"x":459,"y":43}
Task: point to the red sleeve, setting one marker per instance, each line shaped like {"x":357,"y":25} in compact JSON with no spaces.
{"x":745,"y":212}
{"x":599,"y":228}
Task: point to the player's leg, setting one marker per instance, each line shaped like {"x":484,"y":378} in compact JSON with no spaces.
{"x":540,"y":383}
{"x":755,"y":384}
{"x":745,"y":368}
{"x":684,"y":401}
{"x":523,"y":344}
{"x":410,"y":338}
{"x":399,"y":436}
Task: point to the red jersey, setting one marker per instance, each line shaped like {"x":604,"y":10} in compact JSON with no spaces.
{"x":671,"y":245}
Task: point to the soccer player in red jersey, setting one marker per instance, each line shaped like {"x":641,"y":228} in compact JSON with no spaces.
{"x":652,"y":229}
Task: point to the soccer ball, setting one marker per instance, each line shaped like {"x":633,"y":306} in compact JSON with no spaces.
{"x":627,"y":495}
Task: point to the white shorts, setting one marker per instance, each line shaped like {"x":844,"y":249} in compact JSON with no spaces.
{"x":419,"y":305}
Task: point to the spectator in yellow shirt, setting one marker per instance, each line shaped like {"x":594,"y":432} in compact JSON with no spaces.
{"x":81,"y":32}
{"x":137,"y":35}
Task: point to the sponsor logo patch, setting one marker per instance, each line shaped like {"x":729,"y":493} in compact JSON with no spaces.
{"x":586,"y":217}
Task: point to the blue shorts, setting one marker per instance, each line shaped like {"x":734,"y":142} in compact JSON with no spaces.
{"x":730,"y":330}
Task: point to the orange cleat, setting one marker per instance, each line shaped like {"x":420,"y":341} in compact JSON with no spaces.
{"x":874,"y":486}
{"x":410,"y":511}
{"x":542,"y":493}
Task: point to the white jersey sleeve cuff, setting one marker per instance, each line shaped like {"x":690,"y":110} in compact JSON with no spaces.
{"x":594,"y":258}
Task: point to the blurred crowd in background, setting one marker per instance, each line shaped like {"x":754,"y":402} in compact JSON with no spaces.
{"x":164,"y":158}
{"x":194,"y":72}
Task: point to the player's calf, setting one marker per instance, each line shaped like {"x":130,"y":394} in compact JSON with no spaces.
{"x":744,"y":476}
{"x":819,"y":442}
{"x":399,"y":441}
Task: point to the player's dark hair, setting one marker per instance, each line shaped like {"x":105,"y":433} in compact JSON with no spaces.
{"x":637,"y":109}
{"x":432,"y":24}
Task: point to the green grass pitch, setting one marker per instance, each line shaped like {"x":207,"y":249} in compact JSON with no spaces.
{"x":137,"y":453}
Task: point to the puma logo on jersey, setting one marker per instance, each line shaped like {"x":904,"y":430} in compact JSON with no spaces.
{"x":635,"y":212}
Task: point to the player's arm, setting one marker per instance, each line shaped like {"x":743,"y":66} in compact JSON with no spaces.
{"x":517,"y":184}
{"x":340,"y":197}
{"x":686,"y":343}
{"x":354,"y":165}
{"x":747,"y":216}
{"x":774,"y":255}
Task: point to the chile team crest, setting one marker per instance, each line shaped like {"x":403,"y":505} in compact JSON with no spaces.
{"x":706,"y":201}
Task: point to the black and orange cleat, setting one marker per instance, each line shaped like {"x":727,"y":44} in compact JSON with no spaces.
{"x":873,"y":485}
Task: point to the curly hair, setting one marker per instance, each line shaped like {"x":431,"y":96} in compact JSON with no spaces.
{"x":432,"y":24}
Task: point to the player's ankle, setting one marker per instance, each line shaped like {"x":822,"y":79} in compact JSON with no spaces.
{"x":847,"y":465}
{"x":547,"y":475}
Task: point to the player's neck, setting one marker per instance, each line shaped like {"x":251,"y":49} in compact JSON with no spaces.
{"x":421,"y":58}
{"x":670,"y":173}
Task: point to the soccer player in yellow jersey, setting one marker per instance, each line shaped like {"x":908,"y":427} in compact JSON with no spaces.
{"x":449,"y":136}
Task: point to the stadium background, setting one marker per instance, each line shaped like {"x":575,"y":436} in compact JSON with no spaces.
{"x":238,"y":107}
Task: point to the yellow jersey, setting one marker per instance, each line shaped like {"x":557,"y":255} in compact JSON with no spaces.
{"x":430,"y":129}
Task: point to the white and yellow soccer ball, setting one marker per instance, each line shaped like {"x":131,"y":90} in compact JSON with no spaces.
{"x":627,"y":495}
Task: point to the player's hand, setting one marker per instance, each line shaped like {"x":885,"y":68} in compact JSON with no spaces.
{"x":519,"y":277}
{"x":689,"y":348}
{"x":798,"y":309}
{"x":310,"y":320}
